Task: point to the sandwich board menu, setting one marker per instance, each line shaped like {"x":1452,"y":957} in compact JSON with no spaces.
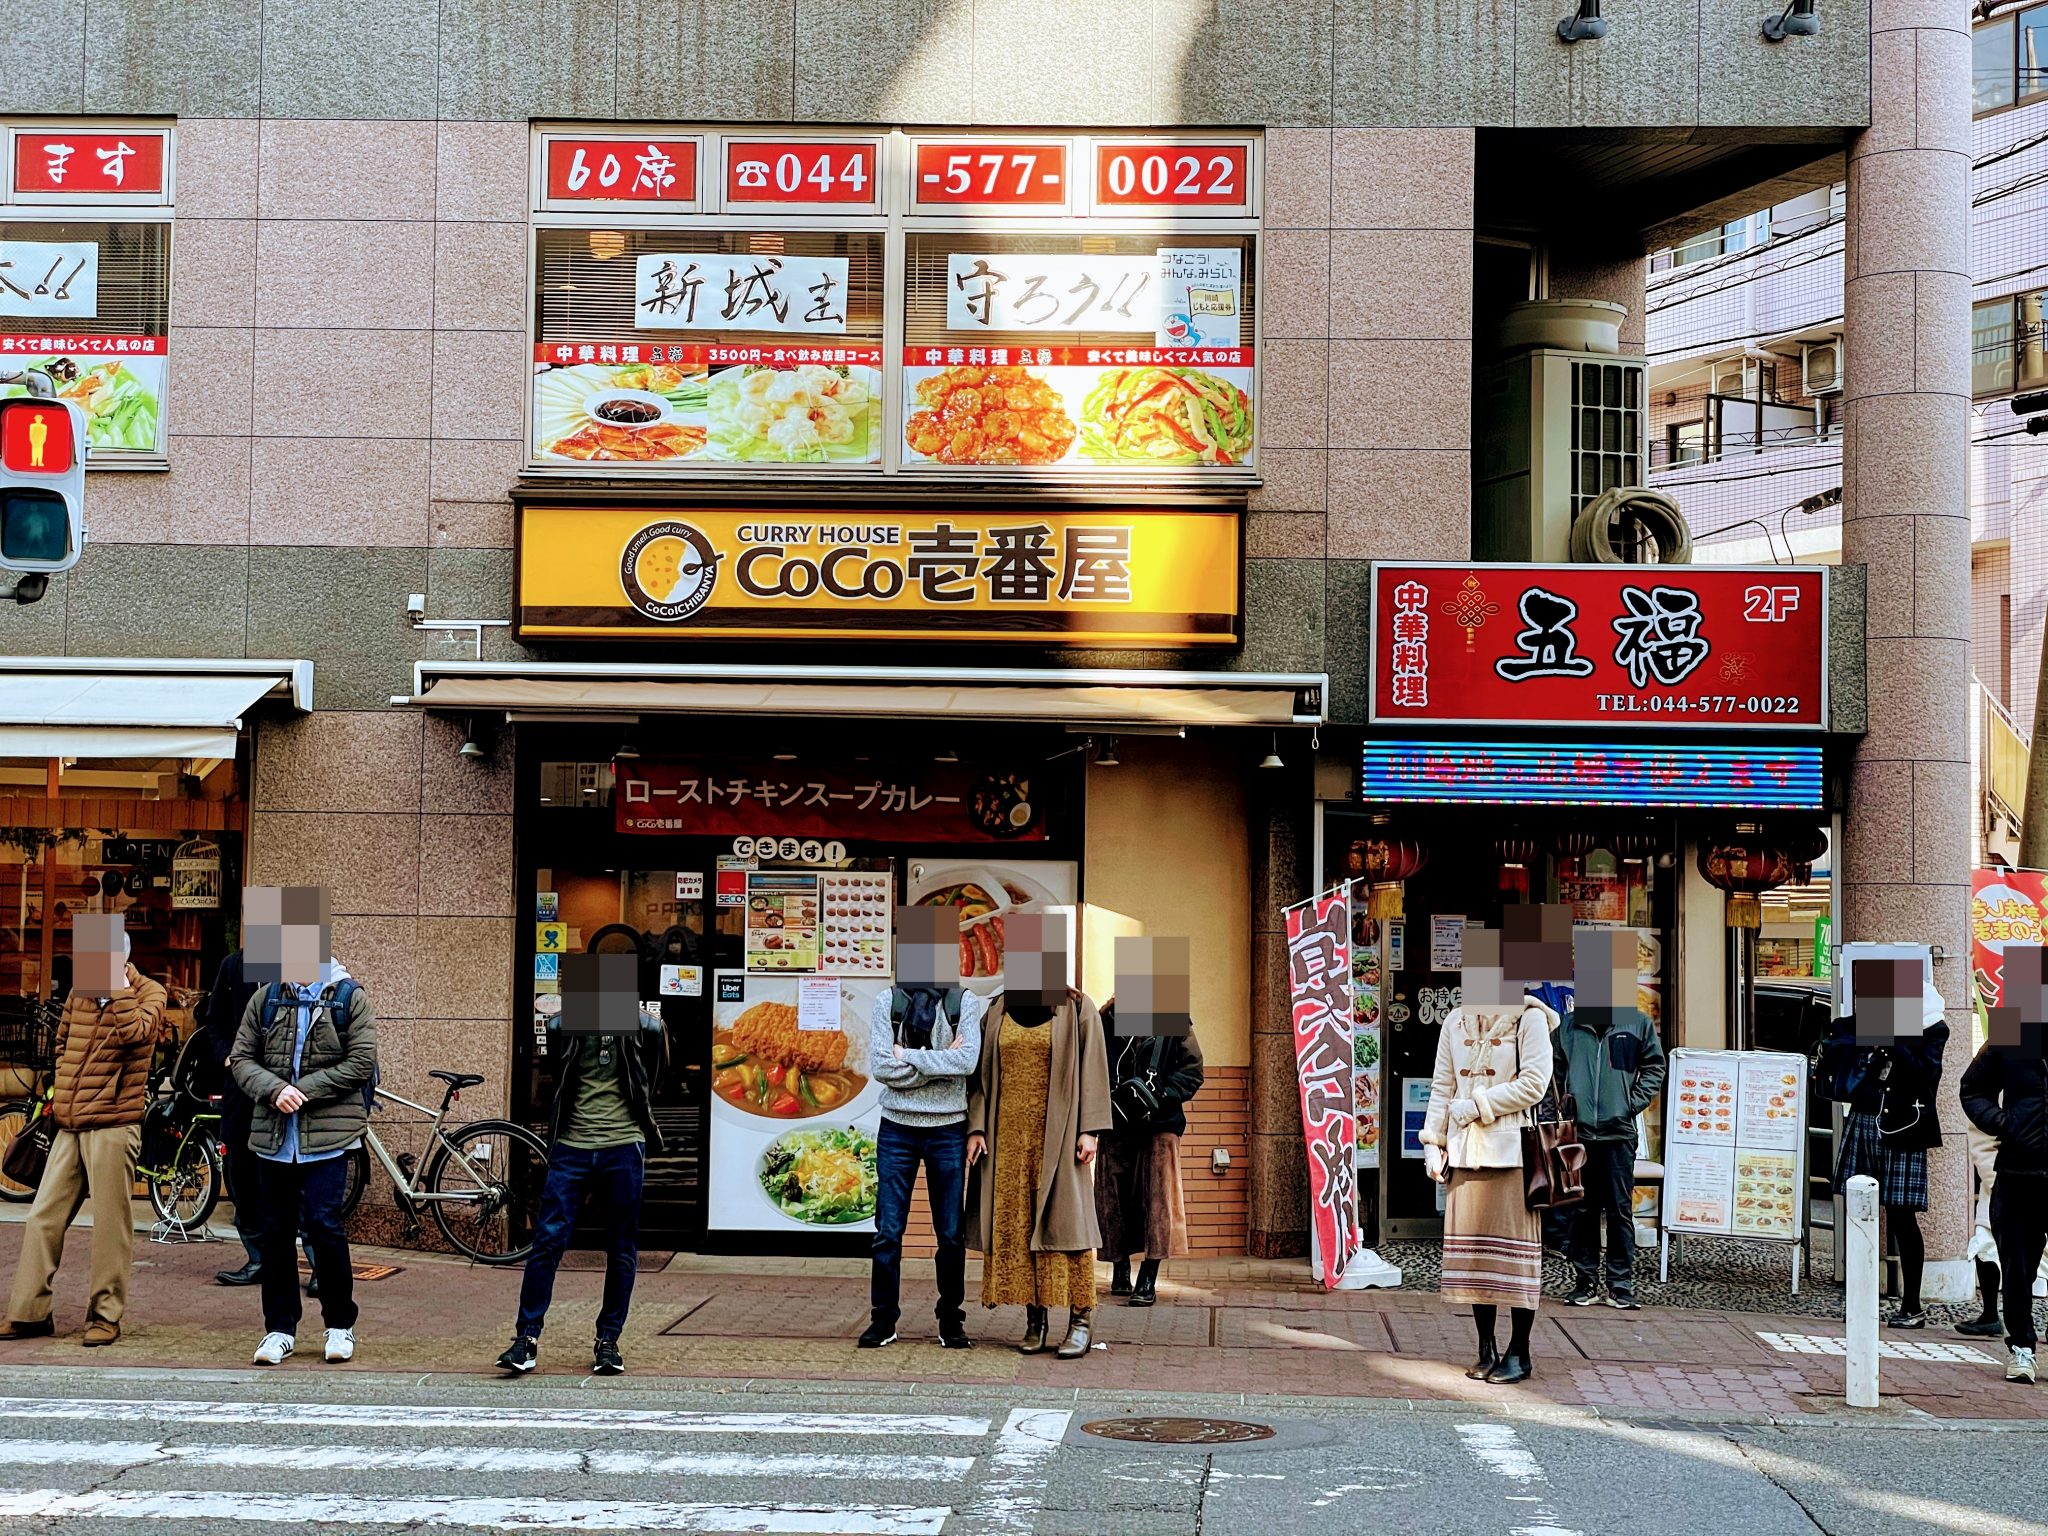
{"x":1735,"y":1144}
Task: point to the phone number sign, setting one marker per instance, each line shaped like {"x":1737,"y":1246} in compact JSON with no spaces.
{"x":1664,"y":646}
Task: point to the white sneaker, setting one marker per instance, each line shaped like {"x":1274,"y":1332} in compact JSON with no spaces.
{"x":274,"y":1348}
{"x":341,"y":1345}
{"x":2021,"y":1366}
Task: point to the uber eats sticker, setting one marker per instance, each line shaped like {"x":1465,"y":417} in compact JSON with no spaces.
{"x":1044,"y":573}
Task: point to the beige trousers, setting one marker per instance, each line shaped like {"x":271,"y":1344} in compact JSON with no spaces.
{"x":99,"y":1162}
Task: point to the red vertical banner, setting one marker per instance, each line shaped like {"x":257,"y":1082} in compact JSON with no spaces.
{"x":1319,"y":989}
{"x":2007,"y":906}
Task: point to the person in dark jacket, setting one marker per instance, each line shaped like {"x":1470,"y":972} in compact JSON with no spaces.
{"x":221,"y":1016}
{"x":1884,"y":1061}
{"x":1139,"y":1201}
{"x":601,"y":1131}
{"x":2003,"y":1097}
{"x":1610,"y":1061}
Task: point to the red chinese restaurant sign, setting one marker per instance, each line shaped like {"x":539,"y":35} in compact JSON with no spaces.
{"x":1724,"y":647}
{"x":921,"y":803}
{"x":2007,"y":906}
{"x":1319,"y":992}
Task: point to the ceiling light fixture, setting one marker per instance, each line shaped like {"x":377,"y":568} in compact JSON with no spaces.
{"x":1107,"y":757}
{"x":1272,"y":759}
{"x":1582,"y":24}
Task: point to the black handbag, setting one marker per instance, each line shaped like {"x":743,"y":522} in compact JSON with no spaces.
{"x":29,"y":1153}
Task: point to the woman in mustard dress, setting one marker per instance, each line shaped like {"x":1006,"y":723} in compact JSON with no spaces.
{"x":1035,"y":1107}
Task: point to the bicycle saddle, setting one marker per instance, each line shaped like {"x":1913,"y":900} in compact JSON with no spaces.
{"x":458,"y":1080}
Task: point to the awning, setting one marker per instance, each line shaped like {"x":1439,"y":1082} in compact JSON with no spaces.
{"x":66,"y":706}
{"x":1100,"y":697}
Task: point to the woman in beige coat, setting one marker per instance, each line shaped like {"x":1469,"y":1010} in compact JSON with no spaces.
{"x":1035,"y":1107}
{"x":1492,"y":1065}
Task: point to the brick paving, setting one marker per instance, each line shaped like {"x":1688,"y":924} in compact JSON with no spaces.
{"x":1235,"y":1325}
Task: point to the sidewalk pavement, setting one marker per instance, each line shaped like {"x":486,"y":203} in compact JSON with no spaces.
{"x":1228,"y":1326}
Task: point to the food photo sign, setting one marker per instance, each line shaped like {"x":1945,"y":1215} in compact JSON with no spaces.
{"x":1735,"y":1144}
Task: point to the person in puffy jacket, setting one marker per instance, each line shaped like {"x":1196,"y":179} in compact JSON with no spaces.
{"x":105,"y":1038}
{"x":2003,"y":1096}
{"x":1493,"y":1063}
{"x":1139,"y":1201}
{"x":1611,"y":1063}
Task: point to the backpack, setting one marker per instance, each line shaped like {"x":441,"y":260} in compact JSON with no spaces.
{"x":899,"y":1009}
{"x":337,"y":1000}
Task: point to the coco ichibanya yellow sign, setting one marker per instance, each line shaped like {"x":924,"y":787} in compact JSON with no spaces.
{"x":1106,"y":577}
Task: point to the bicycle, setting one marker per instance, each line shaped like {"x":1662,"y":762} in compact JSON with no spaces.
{"x":482,"y":1181}
{"x":181,"y":1159}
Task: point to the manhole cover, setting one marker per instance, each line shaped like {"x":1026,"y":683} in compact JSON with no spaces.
{"x":1179,"y":1431}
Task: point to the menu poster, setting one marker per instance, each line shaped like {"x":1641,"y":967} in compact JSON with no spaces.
{"x":782,"y":922}
{"x":854,"y":928}
{"x":1447,"y":942}
{"x":1735,"y":1143}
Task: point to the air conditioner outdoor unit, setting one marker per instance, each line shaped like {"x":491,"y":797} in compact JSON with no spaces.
{"x":1555,"y":429}
{"x":1820,"y":368}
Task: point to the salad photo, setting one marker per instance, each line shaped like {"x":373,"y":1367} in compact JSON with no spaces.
{"x":1165,"y":416}
{"x":122,"y":397}
{"x":824,"y":1178}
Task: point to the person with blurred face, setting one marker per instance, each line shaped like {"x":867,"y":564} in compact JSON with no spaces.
{"x":2005,"y":1095}
{"x":1038,"y":1103}
{"x":924,"y":1039}
{"x":105,"y":1037}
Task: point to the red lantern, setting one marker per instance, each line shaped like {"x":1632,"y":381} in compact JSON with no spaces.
{"x":1384,"y":863}
{"x":1744,"y":864}
{"x":1516,"y":854}
{"x":1570,"y":847}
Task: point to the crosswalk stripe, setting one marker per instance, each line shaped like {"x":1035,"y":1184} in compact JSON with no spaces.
{"x":490,"y":1514}
{"x":1007,"y":1504}
{"x":452,"y":1458}
{"x":657,"y":1421}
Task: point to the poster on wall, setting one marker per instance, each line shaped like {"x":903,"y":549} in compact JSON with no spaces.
{"x":857,"y":922}
{"x":794,"y":1109}
{"x":2007,"y":906}
{"x":782,"y":922}
{"x":988,"y":893}
{"x":195,"y":877}
{"x":1736,"y":1144}
{"x":1319,"y":986}
{"x":118,"y":381}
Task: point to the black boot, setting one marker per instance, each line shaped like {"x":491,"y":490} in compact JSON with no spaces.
{"x":1120,"y":1278}
{"x":1986,"y":1324}
{"x":1515,"y":1365}
{"x":1489,"y":1353}
{"x":249,"y":1274}
{"x":1146,"y":1292}
{"x":1034,"y":1332}
{"x":1075,"y":1345}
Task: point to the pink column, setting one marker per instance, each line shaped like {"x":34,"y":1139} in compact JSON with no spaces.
{"x":1906,"y":519}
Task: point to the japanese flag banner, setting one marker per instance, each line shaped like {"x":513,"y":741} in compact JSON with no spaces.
{"x":1319,"y":990}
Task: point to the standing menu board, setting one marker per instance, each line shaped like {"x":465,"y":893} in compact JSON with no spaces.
{"x":1735,"y":1144}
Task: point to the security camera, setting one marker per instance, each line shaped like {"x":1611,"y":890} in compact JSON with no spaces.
{"x":416,"y":607}
{"x":31,"y":587}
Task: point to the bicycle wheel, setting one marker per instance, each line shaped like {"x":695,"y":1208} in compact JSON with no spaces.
{"x":358,"y":1181}
{"x":14,"y":1119}
{"x":187,"y":1191}
{"x":489,"y":1175}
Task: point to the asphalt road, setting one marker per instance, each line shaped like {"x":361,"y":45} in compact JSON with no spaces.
{"x":106,"y":1452}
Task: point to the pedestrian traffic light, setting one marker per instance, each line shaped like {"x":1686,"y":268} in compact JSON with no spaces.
{"x":42,"y":490}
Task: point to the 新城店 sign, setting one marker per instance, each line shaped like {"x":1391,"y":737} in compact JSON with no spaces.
{"x":1718,"y":647}
{"x":1049,"y":574}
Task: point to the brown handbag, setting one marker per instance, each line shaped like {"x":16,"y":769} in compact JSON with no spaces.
{"x":1553,"y":1157}
{"x":28,"y":1153}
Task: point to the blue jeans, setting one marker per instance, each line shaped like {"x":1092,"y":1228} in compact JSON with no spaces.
{"x":899,"y":1151}
{"x":612,"y":1177}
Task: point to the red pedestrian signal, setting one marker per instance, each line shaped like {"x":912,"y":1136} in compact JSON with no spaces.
{"x":36,"y":437}
{"x":42,"y":489}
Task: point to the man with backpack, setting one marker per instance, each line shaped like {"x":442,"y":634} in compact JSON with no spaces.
{"x":924,"y":1041}
{"x":306,"y":1056}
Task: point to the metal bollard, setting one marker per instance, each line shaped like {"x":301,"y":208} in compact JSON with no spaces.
{"x":1859,"y":1279}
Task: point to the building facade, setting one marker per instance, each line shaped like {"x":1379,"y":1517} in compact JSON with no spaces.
{"x":410,"y":396}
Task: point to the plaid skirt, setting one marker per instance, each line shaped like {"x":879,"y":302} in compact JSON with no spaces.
{"x":1901,"y":1175}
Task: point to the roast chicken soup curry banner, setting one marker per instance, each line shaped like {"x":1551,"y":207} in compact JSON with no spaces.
{"x":1108,"y":576}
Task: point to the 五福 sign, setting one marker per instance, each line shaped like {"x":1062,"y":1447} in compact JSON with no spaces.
{"x":1667,"y":646}
{"x":1112,"y":576}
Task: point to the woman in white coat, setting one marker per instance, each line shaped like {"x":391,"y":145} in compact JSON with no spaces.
{"x":1492,"y":1066}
